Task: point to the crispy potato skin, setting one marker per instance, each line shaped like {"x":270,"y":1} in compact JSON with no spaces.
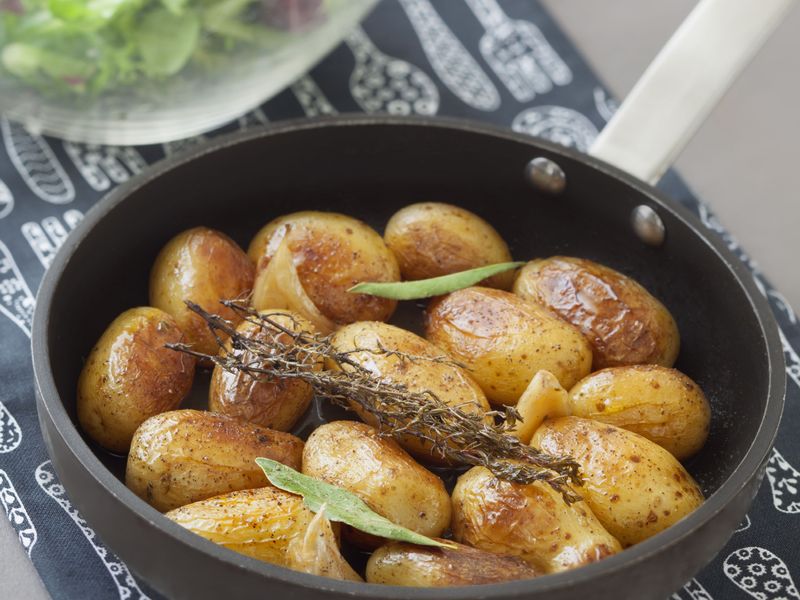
{"x":661,"y":404}
{"x":260,"y":523}
{"x":277,"y":403}
{"x":130,"y":376}
{"x":624,"y":323}
{"x":185,"y":456}
{"x":634,"y":487}
{"x":450,"y":383}
{"x":353,"y":456}
{"x":398,"y":563}
{"x":431,"y":239}
{"x":204,"y":266}
{"x":504,"y":341}
{"x":332,"y":253}
{"x":530,"y":521}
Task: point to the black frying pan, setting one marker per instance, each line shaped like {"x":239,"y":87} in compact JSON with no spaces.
{"x":369,"y":167}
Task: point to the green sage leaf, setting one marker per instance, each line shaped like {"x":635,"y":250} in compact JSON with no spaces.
{"x":340,"y":505}
{"x":435,"y":286}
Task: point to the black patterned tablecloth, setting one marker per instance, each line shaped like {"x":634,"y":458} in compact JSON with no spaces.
{"x":505,"y":62}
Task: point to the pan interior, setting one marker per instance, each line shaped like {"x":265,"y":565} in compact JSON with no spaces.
{"x":371,"y":171}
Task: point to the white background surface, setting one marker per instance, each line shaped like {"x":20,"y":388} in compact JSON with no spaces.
{"x":745,"y":160}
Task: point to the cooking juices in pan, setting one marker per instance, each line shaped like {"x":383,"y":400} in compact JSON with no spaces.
{"x":538,"y":425}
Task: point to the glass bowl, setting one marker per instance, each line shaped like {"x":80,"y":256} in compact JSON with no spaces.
{"x":150,"y":71}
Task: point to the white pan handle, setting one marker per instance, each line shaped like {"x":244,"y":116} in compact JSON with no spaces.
{"x":684,"y":82}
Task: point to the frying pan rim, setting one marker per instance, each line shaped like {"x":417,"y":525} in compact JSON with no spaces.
{"x":49,"y":401}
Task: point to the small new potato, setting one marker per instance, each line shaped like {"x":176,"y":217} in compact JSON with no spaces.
{"x":330,"y":253}
{"x":634,"y":487}
{"x":659,"y":403}
{"x":451,"y":384}
{"x":184,"y":456}
{"x":260,"y":523}
{"x":204,"y":266}
{"x":431,"y":239}
{"x":624,"y":323}
{"x":529,"y":521}
{"x":398,"y":563}
{"x":130,"y":376}
{"x":353,"y":456}
{"x":277,"y":403}
{"x":504,"y":341}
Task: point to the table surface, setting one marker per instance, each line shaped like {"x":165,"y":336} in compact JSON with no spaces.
{"x":742,"y":158}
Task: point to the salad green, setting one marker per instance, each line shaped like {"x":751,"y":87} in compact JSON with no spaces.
{"x":82,"y":48}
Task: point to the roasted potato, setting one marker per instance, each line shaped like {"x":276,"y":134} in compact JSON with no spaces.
{"x":504,"y":341}
{"x":661,"y":404}
{"x":260,"y":523}
{"x":130,"y":376}
{"x":634,"y":487}
{"x":184,"y":456}
{"x":204,"y":266}
{"x":326,"y":254}
{"x":355,"y":457}
{"x":276,"y":403}
{"x":397,"y":563}
{"x":530,"y":521}
{"x":447,"y":381}
{"x":431,"y":239}
{"x":623,"y":322}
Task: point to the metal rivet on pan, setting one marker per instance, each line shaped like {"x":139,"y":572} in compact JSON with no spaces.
{"x":647,"y":225}
{"x":546,"y":175}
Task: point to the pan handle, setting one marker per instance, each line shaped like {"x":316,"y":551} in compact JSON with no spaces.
{"x":684,"y":82}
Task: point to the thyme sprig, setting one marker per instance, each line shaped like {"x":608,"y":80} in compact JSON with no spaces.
{"x":460,"y":437}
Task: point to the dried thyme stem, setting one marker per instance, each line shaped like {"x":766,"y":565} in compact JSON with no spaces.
{"x":460,"y":437}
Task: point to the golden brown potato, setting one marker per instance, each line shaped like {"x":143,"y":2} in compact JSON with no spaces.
{"x":662,"y":404}
{"x":624,"y":323}
{"x":184,"y":456}
{"x":130,"y":376}
{"x":504,"y":341}
{"x":204,"y":266}
{"x":353,"y":456}
{"x":397,"y":563}
{"x":530,"y":521}
{"x":276,"y":403}
{"x":450,"y":383}
{"x":328,"y":253}
{"x":260,"y":523}
{"x":634,"y":487}
{"x":431,"y":239}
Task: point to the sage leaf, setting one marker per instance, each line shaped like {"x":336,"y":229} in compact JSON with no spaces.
{"x":435,"y":286}
{"x":340,"y":505}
